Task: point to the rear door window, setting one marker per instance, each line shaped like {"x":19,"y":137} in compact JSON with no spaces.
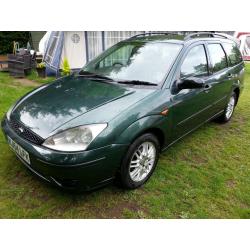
{"x":218,"y":57}
{"x":233,"y":53}
{"x":195,"y":63}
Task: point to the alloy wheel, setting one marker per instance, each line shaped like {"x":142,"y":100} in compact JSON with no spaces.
{"x":230,"y":107}
{"x":142,"y":161}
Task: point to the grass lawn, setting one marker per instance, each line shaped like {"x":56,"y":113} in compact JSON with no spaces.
{"x":206,"y":175}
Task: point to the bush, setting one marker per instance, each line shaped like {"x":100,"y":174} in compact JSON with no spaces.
{"x":66,"y":67}
{"x":8,"y":37}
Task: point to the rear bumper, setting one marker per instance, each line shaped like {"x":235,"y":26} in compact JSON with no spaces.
{"x":81,"y":170}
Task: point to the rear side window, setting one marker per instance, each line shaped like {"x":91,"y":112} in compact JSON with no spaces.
{"x":218,"y":57}
{"x":233,"y":53}
{"x":195,"y":63}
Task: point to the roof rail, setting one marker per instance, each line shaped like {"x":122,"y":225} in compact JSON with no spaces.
{"x":210,"y":34}
{"x":154,"y":33}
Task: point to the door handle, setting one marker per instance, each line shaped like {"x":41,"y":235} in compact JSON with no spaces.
{"x":207,"y":87}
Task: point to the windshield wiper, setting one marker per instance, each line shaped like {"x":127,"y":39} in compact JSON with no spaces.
{"x":94,"y":75}
{"x":137,"y":82}
{"x":101,"y":77}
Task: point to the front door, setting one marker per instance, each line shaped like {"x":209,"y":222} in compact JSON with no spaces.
{"x":191,"y":107}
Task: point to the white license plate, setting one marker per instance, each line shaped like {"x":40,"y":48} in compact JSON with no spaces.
{"x":19,"y":150}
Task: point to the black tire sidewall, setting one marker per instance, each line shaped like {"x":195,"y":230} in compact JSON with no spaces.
{"x":126,"y":180}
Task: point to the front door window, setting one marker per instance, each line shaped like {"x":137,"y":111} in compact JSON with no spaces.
{"x":195,"y":63}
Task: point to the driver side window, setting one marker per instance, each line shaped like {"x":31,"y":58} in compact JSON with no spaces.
{"x":195,"y":63}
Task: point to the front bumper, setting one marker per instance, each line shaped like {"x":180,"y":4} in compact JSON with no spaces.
{"x":81,"y":170}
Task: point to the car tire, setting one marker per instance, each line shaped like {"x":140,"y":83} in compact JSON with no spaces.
{"x":228,"y":111}
{"x":140,"y":161}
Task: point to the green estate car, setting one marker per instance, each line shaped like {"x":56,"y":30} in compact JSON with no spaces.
{"x":113,"y":117}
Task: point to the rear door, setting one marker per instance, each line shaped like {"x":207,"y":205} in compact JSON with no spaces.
{"x":221,"y":79}
{"x":236,"y":65}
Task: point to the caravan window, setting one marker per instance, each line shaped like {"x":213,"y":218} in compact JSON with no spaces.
{"x":233,"y":53}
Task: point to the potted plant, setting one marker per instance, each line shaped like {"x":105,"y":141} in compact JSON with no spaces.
{"x":41,"y":69}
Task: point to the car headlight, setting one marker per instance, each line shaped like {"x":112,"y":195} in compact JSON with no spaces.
{"x":74,"y":139}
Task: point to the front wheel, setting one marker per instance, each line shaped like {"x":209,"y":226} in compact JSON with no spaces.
{"x":228,"y":111}
{"x":140,"y":161}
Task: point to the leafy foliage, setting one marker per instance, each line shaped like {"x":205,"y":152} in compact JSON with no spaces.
{"x":8,"y":37}
{"x":66,"y":67}
{"x":41,"y":65}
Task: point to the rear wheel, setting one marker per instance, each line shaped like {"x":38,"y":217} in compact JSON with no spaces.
{"x":228,"y":111}
{"x":140,"y":161}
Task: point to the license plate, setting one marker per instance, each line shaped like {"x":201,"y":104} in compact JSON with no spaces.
{"x":19,"y":150}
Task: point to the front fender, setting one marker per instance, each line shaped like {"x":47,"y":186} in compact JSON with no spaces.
{"x":138,"y":127}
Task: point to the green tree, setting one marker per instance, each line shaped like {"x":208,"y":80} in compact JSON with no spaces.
{"x":8,"y":37}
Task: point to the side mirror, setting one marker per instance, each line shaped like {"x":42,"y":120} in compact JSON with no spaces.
{"x":190,"y":83}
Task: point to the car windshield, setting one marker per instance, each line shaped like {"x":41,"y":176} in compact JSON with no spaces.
{"x":135,"y":61}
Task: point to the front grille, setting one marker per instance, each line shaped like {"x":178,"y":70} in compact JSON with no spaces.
{"x":25,"y":133}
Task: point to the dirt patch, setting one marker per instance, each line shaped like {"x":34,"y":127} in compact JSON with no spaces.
{"x":193,"y":158}
{"x":17,"y":178}
{"x":26,"y":82}
{"x":231,"y":183}
{"x":240,"y":119}
{"x":117,"y":211}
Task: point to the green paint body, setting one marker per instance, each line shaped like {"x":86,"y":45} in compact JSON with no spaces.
{"x":129,"y":111}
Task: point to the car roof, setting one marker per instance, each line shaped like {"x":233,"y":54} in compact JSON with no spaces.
{"x":179,"y":39}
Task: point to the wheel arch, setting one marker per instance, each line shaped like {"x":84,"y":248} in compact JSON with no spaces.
{"x":149,"y":124}
{"x":237,"y":92}
{"x":157,"y":132}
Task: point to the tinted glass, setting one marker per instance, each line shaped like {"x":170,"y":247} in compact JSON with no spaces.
{"x":195,"y":63}
{"x":233,"y":53}
{"x":218,"y":57}
{"x":136,"y":61}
